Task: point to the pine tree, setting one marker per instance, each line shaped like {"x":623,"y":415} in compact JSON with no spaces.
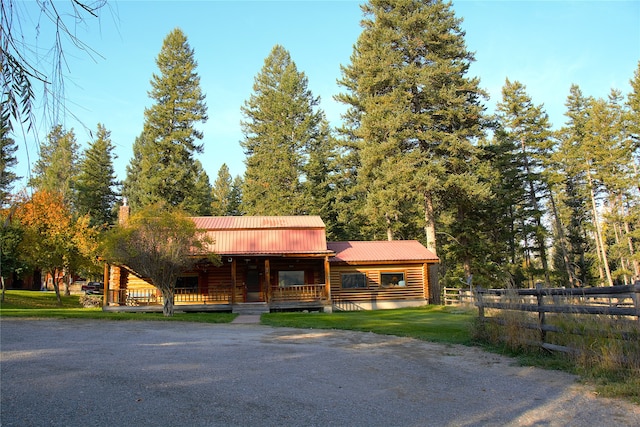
{"x":163,"y":167}
{"x":318,"y":172}
{"x":96,"y":182}
{"x":501,"y":220}
{"x":633,"y":105}
{"x":56,"y":169}
{"x":571,"y":186}
{"x":415,"y":117}
{"x":8,"y":160}
{"x":132,"y":192}
{"x":632,"y":226}
{"x":600,"y":185}
{"x":221,"y":191}
{"x":349,"y":198}
{"x":235,"y":197}
{"x":281,"y":122}
{"x":529,"y":128}
{"x":612,"y":178}
{"x":199,"y":198}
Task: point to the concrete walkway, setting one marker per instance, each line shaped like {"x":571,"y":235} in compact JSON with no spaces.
{"x":247,"y":319}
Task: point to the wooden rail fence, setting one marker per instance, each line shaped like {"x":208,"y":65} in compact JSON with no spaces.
{"x":616,"y":302}
{"x":457,"y":296}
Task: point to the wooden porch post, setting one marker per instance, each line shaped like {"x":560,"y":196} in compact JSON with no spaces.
{"x":105,"y":278}
{"x":267,"y":279}
{"x":327,"y":277}
{"x":233,"y":281}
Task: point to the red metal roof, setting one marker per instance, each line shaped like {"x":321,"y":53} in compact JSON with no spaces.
{"x":380,"y":251}
{"x":257,"y":222}
{"x":265,"y":235}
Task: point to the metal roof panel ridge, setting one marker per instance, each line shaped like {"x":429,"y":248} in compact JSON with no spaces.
{"x":258,"y":222}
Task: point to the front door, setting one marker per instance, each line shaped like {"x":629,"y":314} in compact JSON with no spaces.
{"x":253,"y":286}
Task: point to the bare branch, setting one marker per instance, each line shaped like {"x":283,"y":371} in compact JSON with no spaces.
{"x":22,"y":64}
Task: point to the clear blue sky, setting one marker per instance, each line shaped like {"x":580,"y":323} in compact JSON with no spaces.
{"x":546,"y":45}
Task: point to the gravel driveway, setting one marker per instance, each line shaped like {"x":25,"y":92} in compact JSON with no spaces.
{"x":130,"y":373}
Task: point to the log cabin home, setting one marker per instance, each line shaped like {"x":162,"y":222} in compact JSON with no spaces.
{"x":280,"y":263}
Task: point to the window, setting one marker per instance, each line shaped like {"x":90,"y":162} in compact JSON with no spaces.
{"x":391,"y":279}
{"x":190,"y":283}
{"x":290,"y":278}
{"x":353,"y":280}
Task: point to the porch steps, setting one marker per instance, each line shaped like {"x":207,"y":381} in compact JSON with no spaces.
{"x":346,"y":305}
{"x":250,"y":308}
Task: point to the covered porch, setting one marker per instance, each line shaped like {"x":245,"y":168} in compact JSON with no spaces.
{"x":274,"y":282}
{"x":274,"y":262}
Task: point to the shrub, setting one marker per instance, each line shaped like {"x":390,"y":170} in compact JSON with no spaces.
{"x":88,"y":301}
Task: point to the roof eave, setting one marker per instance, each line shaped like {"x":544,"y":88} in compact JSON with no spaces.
{"x":384,"y":262}
{"x":278,"y":254}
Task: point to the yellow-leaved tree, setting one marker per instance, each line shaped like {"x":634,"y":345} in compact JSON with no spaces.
{"x":158,"y":243}
{"x":53,"y":240}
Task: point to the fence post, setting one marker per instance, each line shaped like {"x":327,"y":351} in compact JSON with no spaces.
{"x":635,"y":295}
{"x":479,"y":303}
{"x":541,"y":313}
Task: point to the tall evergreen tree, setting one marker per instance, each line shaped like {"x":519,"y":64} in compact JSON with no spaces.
{"x":633,"y":210}
{"x":56,"y":169}
{"x":221,"y":192}
{"x":500,"y":219}
{"x":318,"y":171}
{"x":529,"y":128}
{"x":8,"y":160}
{"x":633,"y":104}
{"x":281,"y":121}
{"x":349,"y":198}
{"x":199,"y":200}
{"x":96,"y":182}
{"x":571,"y":186}
{"x":133,"y":192}
{"x":415,"y":117}
{"x":235,"y":197}
{"x":163,"y":167}
{"x":609,"y":166}
{"x":600,"y":190}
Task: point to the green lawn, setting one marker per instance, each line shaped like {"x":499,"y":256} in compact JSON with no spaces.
{"x":430,"y":323}
{"x":44,"y":305}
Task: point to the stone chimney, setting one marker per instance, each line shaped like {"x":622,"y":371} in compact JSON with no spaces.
{"x":123,"y":213}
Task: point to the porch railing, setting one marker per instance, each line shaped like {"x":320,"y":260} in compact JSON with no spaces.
{"x":299,"y":293}
{"x":209,"y":296}
{"x":136,"y":297}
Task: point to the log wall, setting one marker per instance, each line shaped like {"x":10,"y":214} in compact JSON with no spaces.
{"x":416,"y":279}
